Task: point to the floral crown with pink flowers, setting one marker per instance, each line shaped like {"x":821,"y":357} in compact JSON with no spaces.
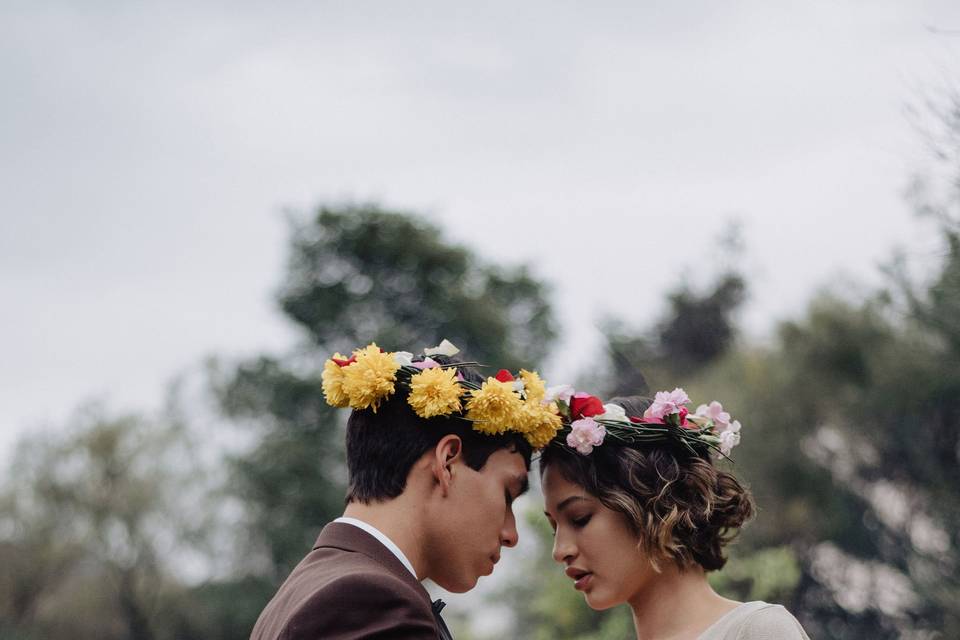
{"x":500,"y":404}
{"x":589,"y":423}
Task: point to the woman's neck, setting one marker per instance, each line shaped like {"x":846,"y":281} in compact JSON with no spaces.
{"x":677,"y":605}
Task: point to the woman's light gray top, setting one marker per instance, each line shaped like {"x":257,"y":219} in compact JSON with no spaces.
{"x":756,"y":621}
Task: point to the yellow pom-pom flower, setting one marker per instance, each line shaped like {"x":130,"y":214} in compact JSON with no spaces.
{"x":332,"y":378}
{"x":533,"y":385}
{"x":369,"y":380}
{"x":546,"y":427}
{"x":435,"y":392}
{"x":494,"y":407}
{"x":528,"y":417}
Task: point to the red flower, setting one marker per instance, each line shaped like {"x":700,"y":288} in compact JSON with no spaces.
{"x":584,"y":405}
{"x":504,"y":376}
{"x":683,"y":416}
{"x":344,"y":363}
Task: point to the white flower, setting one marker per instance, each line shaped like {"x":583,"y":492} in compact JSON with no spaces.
{"x":403,"y":358}
{"x":613,"y":412}
{"x":730,"y":437}
{"x":445,"y":348}
{"x":518,"y":386}
{"x":559,"y":392}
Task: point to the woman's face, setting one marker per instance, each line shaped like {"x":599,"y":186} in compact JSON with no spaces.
{"x":594,"y":544}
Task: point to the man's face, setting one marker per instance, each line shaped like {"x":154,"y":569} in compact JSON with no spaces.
{"x":477,"y":520}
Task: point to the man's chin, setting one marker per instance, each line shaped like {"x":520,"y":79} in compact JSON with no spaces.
{"x":457,"y":586}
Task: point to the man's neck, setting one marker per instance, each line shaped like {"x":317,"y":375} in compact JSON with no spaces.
{"x":677,"y":604}
{"x":399,"y":522}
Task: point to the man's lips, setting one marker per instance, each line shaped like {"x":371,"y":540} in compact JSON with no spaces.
{"x":581,"y":578}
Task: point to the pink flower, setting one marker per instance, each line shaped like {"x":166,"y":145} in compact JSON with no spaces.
{"x":427,"y":363}
{"x":666,"y":403}
{"x":714,"y":411}
{"x":585,"y":434}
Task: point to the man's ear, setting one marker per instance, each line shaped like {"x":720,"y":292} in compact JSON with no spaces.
{"x":448,"y":451}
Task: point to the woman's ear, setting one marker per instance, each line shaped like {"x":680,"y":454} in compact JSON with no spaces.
{"x":447,"y":452}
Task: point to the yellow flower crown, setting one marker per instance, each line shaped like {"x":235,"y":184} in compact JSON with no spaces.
{"x":499,"y":404}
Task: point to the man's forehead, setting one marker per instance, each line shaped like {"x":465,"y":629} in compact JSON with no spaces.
{"x":511,"y":466}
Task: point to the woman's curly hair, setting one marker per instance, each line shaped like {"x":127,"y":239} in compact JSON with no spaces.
{"x":682,"y":508}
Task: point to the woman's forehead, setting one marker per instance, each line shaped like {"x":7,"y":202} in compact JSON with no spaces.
{"x":557,"y":488}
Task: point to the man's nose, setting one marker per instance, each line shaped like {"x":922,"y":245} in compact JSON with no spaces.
{"x":509,"y":536}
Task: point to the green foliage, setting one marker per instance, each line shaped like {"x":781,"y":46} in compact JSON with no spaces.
{"x":362,"y":274}
{"x":88,"y":520}
{"x":769,"y":574}
{"x":851,"y":435}
{"x":293,"y":478}
{"x":220,"y":610}
{"x":698,"y":328}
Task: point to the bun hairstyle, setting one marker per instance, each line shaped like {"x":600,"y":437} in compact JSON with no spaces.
{"x":682,"y":507}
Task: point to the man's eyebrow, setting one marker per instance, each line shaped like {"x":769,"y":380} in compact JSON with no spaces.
{"x":524,"y":485}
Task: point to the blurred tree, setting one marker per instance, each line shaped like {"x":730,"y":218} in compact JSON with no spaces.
{"x":359,"y":274}
{"x":91,"y":522}
{"x":698,"y":328}
{"x":851,"y":448}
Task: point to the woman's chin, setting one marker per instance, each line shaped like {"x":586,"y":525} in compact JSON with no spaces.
{"x":598,"y":603}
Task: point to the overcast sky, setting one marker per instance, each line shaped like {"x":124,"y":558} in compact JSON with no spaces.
{"x":148,"y":151}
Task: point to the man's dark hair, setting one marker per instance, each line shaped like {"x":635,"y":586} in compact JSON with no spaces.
{"x":382,"y":447}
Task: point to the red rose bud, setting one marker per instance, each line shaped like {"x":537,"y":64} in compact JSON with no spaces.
{"x":504,"y":376}
{"x":344,"y":363}
{"x":585,"y":406}
{"x":683,"y":416}
{"x":635,"y":419}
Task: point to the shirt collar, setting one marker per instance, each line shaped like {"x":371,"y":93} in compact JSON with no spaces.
{"x":382,"y":538}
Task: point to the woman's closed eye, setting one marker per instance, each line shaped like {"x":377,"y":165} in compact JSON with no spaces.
{"x":581,"y":521}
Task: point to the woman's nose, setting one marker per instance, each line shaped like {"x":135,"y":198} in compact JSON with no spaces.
{"x":563,"y":547}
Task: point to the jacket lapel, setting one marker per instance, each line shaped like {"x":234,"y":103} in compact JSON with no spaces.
{"x":340,"y":535}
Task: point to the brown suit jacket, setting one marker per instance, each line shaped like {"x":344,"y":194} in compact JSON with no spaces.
{"x":350,"y":586}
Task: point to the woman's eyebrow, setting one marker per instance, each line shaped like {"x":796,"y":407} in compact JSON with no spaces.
{"x":568,"y":501}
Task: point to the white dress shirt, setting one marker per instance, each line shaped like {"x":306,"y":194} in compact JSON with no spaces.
{"x":382,"y":537}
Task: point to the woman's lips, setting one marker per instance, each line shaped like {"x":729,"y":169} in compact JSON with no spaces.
{"x":581,"y":578}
